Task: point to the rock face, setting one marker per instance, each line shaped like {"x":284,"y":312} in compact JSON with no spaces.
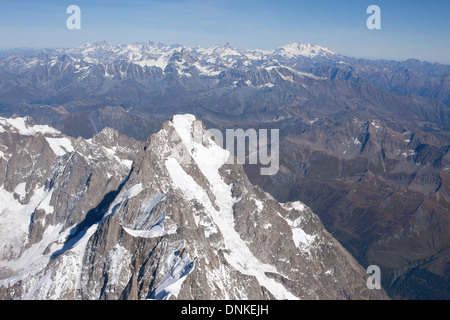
{"x":179,"y":223}
{"x":365,"y":144}
{"x":383,"y":194}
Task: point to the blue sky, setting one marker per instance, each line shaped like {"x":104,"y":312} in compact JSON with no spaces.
{"x":410,"y":29}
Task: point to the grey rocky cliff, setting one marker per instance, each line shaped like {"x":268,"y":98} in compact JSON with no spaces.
{"x":180,"y":223}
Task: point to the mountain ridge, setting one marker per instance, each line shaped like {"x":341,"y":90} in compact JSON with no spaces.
{"x":173,"y":229}
{"x":358,"y":138}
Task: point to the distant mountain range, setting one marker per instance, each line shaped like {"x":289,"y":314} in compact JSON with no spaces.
{"x":364,"y":143}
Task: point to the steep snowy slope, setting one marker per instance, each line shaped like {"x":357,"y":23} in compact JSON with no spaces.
{"x":179,"y":223}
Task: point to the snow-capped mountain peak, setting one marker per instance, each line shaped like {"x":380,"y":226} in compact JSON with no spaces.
{"x":107,"y":62}
{"x":303,"y":50}
{"x":164,"y":228}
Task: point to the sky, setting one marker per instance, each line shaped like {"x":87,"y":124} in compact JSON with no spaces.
{"x":417,"y":29}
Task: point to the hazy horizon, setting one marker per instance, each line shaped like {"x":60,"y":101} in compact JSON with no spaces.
{"x":409,"y":29}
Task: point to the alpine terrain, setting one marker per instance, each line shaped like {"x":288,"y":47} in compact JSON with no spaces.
{"x":113,"y":218}
{"x":365,"y":144}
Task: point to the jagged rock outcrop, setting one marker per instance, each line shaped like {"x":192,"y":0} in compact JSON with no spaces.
{"x":50,"y":183}
{"x":179,"y":223}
